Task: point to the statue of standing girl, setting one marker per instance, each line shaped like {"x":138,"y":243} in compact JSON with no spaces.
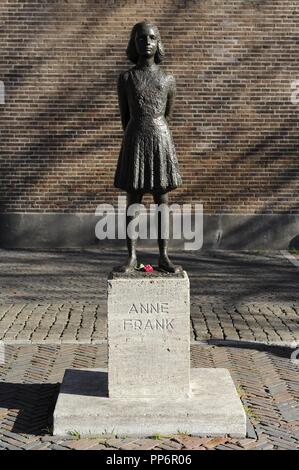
{"x":147,"y":161}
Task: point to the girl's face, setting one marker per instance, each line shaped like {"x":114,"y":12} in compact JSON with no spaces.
{"x":146,"y":41}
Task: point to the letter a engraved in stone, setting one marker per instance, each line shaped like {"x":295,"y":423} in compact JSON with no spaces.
{"x":133,"y":309}
{"x":148,"y":325}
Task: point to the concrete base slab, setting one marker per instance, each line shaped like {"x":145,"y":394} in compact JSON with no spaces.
{"x":213,"y":408}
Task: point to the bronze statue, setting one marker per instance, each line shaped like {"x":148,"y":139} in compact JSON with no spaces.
{"x":147,"y":161}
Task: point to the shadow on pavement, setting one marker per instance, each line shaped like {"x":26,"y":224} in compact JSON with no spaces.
{"x":34,"y":404}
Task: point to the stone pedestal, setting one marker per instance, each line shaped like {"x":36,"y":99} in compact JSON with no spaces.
{"x":149,"y":388}
{"x":149,"y":336}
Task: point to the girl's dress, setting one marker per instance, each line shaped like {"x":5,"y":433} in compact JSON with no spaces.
{"x":147,"y":161}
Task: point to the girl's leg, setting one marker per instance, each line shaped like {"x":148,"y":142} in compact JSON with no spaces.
{"x":131,"y":263}
{"x":164,"y":261}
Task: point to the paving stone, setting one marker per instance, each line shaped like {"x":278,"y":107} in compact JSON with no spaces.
{"x":229,"y":446}
{"x":280,"y":445}
{"x":81,"y":444}
{"x":98,"y":447}
{"x":119,"y":442}
{"x":37,"y":446}
{"x":141,"y":444}
{"x":191,"y":442}
{"x":247,"y":444}
{"x":171,"y":444}
{"x":289,"y":410}
{"x":224,"y":447}
{"x":215,"y":442}
{"x":58,"y":447}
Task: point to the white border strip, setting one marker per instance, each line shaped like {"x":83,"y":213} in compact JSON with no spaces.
{"x":2,"y":353}
{"x":292,"y":259}
{"x":2,"y":92}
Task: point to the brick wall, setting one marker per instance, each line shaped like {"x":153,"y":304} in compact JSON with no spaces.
{"x":235,"y":128}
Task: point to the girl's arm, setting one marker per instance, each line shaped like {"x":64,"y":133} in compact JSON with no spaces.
{"x":123,"y":102}
{"x":170,"y":98}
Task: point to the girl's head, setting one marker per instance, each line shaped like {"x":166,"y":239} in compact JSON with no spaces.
{"x":145,"y":41}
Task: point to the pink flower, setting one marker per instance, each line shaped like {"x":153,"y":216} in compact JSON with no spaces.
{"x":148,"y":268}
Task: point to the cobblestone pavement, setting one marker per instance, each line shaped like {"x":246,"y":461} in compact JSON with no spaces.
{"x":240,"y":304}
{"x":266,"y":380}
{"x":59,"y":297}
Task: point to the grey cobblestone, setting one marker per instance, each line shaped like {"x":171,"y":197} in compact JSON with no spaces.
{"x":56,"y":297}
{"x":65,"y":325}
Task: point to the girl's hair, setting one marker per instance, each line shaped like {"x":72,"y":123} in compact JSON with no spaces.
{"x":131,"y":51}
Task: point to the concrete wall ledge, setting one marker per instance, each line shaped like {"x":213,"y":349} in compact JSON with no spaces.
{"x":77,"y":230}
